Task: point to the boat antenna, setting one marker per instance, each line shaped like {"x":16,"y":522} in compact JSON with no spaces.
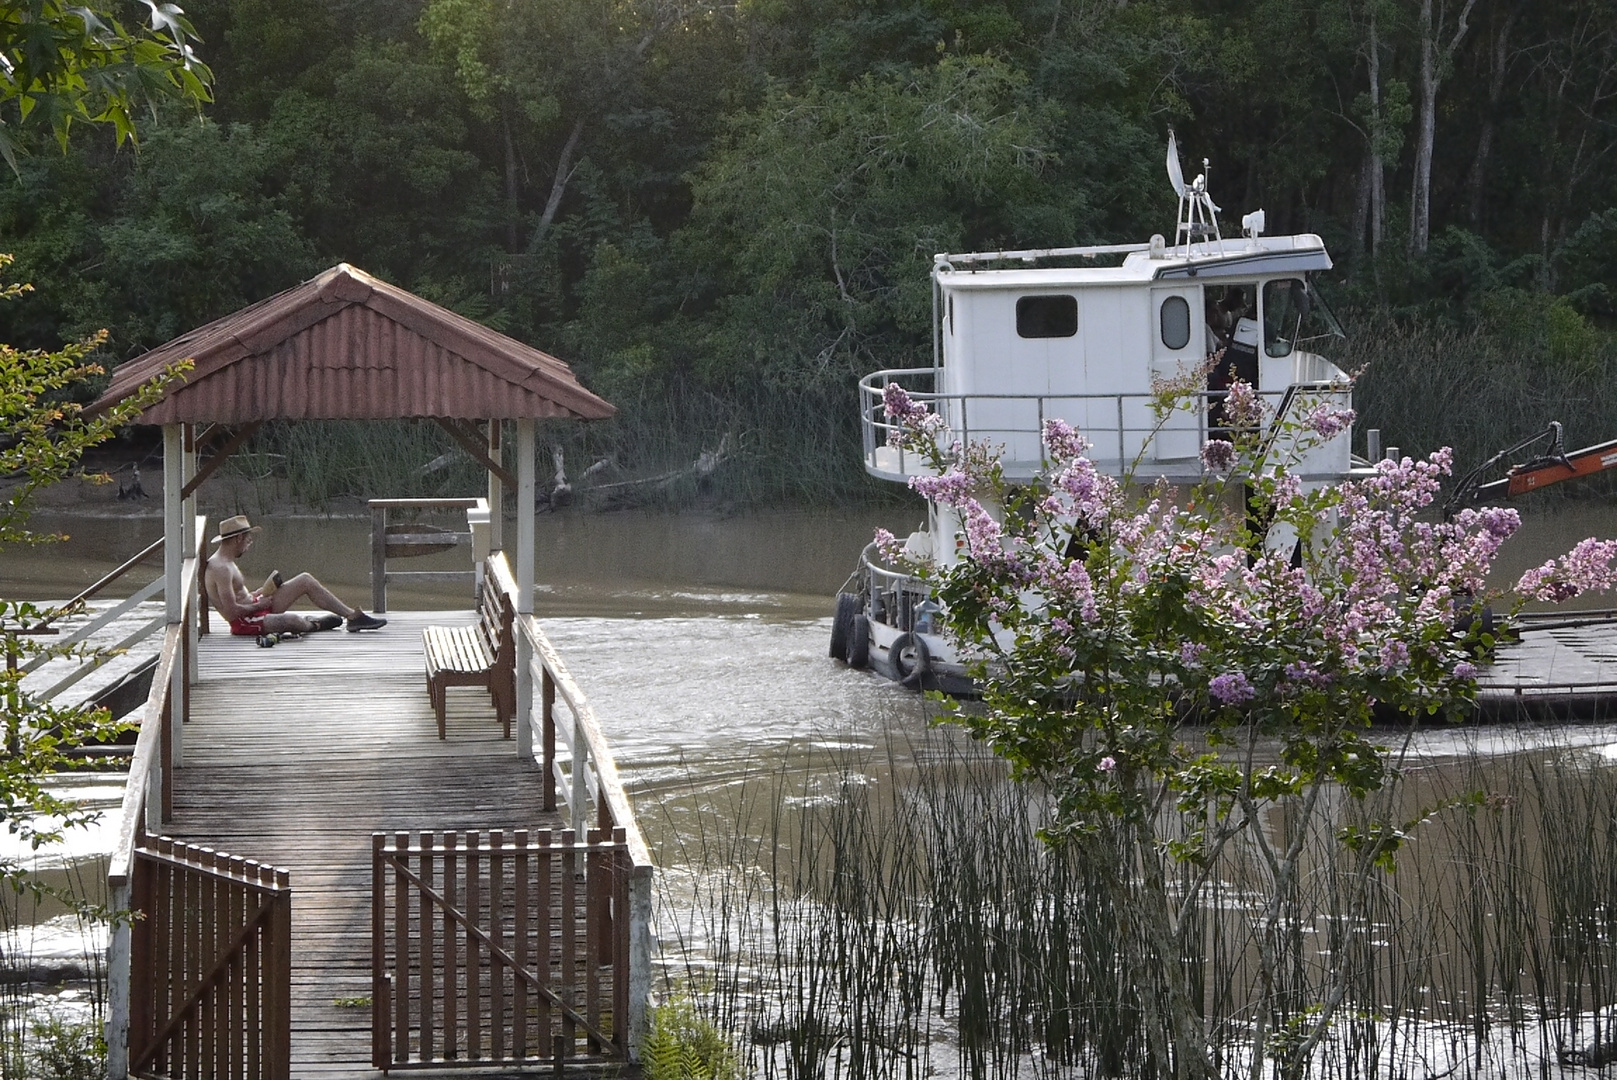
{"x":1198,"y":214}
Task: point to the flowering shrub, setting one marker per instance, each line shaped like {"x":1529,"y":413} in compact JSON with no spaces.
{"x":1280,"y":616}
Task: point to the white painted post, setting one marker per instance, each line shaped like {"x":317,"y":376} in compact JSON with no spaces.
{"x":580,"y":778}
{"x":639,"y":959}
{"x":174,"y":545}
{"x":525,"y":539}
{"x":188,"y":518}
{"x":496,"y":490}
{"x":477,"y":525}
{"x":173,"y":517}
{"x":117,"y":1031}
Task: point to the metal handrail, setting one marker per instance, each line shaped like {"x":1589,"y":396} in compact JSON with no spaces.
{"x":1197,"y":403}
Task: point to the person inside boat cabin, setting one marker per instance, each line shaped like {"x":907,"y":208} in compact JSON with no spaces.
{"x":253,"y":614}
{"x":1232,"y":323}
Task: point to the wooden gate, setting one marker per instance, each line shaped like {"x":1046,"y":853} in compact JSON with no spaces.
{"x":210,"y":965}
{"x":499,"y":948}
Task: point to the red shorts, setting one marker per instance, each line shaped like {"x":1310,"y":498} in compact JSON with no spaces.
{"x":249,"y":625}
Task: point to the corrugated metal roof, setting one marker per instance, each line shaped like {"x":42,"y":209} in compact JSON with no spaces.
{"x":346,"y":346}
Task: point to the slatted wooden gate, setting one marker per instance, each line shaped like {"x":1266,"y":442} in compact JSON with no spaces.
{"x":210,"y":965}
{"x":499,"y":948}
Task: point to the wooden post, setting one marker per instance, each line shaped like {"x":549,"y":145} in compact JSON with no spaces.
{"x":378,"y":559}
{"x":496,"y":491}
{"x":188,"y":517}
{"x":525,"y":539}
{"x":639,"y":958}
{"x":174,"y":548}
{"x":117,"y":1030}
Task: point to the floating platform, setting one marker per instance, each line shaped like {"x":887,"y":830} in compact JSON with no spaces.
{"x":1564,"y":668}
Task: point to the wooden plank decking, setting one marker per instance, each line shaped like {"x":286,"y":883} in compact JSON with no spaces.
{"x":295,"y":755}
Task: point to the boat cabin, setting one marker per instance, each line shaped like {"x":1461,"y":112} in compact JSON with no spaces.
{"x":1088,"y":344}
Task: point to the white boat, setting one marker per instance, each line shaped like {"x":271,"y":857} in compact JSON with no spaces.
{"x":1082,"y":334}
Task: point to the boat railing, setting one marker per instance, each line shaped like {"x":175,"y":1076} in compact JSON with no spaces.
{"x":560,"y":732}
{"x":395,"y":544}
{"x":1126,"y":434}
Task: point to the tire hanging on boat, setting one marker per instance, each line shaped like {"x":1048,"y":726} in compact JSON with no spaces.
{"x":859,"y":643}
{"x":911,"y":659}
{"x":848,"y":606}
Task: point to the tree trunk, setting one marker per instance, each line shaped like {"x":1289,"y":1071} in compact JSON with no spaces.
{"x":1434,"y":59}
{"x":1378,"y":172}
{"x":558,"y":187}
{"x":1361,"y":205}
{"x":1499,"y":57}
{"x":511,"y":204}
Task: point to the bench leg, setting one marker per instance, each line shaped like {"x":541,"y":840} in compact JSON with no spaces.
{"x":435,"y":690}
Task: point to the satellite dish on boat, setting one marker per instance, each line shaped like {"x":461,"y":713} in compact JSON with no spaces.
{"x":1176,"y":177}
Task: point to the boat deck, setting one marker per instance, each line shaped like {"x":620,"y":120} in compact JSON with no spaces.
{"x":295,"y":755}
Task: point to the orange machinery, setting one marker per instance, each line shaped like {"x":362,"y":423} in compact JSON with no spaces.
{"x":1553,"y":466}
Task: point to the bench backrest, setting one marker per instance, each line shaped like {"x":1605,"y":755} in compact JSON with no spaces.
{"x":496,"y":615}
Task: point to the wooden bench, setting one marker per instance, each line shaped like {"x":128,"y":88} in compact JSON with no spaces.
{"x":482,"y":654}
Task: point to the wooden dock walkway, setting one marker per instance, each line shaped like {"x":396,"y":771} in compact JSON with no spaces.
{"x":295,"y":755}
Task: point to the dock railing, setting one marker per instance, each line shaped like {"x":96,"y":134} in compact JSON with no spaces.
{"x":560,"y":732}
{"x":388,"y":542}
{"x":149,"y":791}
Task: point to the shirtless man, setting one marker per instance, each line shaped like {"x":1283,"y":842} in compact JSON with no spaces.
{"x":252,"y":613}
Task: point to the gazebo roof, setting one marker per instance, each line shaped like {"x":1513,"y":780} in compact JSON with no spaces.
{"x":346,"y":346}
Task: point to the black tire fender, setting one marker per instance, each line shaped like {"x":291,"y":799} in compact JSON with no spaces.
{"x":848,"y":606}
{"x":859,"y":643}
{"x":911,"y":659}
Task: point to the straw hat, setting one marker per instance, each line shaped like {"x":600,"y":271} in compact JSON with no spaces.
{"x":234,"y":526}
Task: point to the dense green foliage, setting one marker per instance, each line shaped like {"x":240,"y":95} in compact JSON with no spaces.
{"x":722,"y":214}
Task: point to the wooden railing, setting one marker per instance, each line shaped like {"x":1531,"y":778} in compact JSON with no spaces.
{"x":492,"y":949}
{"x":398,"y":545}
{"x":211,"y":965}
{"x":559,"y":731}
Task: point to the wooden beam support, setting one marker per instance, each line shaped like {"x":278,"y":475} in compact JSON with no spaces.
{"x":472,"y":443}
{"x":231,"y":445}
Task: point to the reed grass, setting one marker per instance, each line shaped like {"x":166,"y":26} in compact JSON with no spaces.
{"x":1427,"y":384}
{"x":892,"y":914}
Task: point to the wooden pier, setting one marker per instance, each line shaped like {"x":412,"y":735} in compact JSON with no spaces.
{"x":326,"y":887}
{"x":295,"y":755}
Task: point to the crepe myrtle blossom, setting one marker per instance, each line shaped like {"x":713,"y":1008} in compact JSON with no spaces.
{"x":1218,"y":455}
{"x":906,"y":414}
{"x":1231,"y":688}
{"x":1106,"y":764}
{"x":1587,"y":567}
{"x":1328,"y":421}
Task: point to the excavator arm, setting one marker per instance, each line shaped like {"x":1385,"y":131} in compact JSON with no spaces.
{"x":1553,"y":466}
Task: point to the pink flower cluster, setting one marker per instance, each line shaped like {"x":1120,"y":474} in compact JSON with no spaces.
{"x":1218,"y":455}
{"x":1327,"y":421}
{"x":905,"y":413}
{"x":1587,"y":567}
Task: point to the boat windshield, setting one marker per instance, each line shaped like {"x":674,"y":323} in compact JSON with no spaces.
{"x":1294,"y":314}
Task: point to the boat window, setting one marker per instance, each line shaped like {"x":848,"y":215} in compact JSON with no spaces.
{"x":1175,"y":318}
{"x":1046,"y":316}
{"x":951,"y":313}
{"x":1283,"y":305}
